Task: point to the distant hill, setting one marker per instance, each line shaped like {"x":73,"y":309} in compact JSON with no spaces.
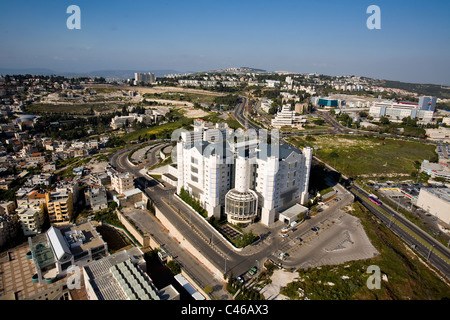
{"x":434,"y":90}
{"x":236,"y":70}
{"x":32,"y":71}
{"x":116,"y":74}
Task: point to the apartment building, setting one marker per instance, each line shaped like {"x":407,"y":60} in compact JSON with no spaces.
{"x":59,"y":204}
{"x":121,"y":181}
{"x":96,"y":198}
{"x":30,"y":210}
{"x":146,"y":78}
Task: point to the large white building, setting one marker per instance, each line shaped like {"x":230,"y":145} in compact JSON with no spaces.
{"x":396,"y":111}
{"x":146,"y":78}
{"x":436,"y":201}
{"x":244,"y":180}
{"x":286,"y":117}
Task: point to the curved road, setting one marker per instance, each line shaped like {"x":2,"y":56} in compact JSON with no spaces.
{"x":194,"y":227}
{"x":207,"y":240}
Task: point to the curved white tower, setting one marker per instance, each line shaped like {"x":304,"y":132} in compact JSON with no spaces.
{"x":241,"y":203}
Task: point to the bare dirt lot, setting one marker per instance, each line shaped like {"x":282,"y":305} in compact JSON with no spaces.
{"x":279,"y":279}
{"x":143,"y":90}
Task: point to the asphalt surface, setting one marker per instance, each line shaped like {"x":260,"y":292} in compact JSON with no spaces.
{"x":416,"y":237}
{"x":217,"y":250}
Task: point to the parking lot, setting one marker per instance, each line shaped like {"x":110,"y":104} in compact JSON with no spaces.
{"x":335,"y":240}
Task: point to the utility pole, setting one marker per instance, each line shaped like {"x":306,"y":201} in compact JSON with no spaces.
{"x":390,"y":222}
{"x":429,"y":253}
{"x":226,"y":257}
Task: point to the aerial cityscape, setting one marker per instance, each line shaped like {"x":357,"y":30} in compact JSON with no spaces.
{"x":190,"y":171}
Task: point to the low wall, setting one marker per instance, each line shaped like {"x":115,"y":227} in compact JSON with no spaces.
{"x":185,"y":243}
{"x":148,"y":241}
{"x":143,"y":239}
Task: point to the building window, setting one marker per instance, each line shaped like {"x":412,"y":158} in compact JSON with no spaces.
{"x":194,"y":169}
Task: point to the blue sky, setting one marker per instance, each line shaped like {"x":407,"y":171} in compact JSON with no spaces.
{"x":328,"y":37}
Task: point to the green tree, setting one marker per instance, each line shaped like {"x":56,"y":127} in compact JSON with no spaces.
{"x":384,"y":121}
{"x":174,"y":267}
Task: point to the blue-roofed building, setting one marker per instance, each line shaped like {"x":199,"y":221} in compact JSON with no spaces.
{"x":331,"y":103}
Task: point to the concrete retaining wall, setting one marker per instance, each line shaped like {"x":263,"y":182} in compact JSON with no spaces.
{"x":143,"y":239}
{"x":185,"y":243}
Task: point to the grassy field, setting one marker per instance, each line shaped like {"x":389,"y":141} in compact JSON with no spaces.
{"x":405,"y":276}
{"x":364,"y":155}
{"x":81,"y":108}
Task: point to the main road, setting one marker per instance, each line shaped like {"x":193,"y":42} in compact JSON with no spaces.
{"x":431,"y":249}
{"x":434,"y":252}
{"x":195,"y":228}
{"x":208,"y":241}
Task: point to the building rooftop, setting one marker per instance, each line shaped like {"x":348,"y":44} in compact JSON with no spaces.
{"x":442,"y":193}
{"x":82,"y":237}
{"x":116,"y":277}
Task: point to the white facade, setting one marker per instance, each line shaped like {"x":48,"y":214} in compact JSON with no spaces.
{"x":286,"y":117}
{"x":423,"y":111}
{"x":146,"y":78}
{"x":208,"y":171}
{"x":31,"y":218}
{"x":96,"y":197}
{"x":436,"y":201}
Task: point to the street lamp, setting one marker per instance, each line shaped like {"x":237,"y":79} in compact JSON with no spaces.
{"x":429,"y":253}
{"x":390,"y":222}
{"x":226,"y":257}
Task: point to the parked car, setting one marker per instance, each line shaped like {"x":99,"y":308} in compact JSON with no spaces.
{"x":252,"y":271}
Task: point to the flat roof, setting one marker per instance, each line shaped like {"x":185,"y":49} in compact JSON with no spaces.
{"x":93,"y":239}
{"x":441,"y":193}
{"x":188,"y":287}
{"x":293,"y":211}
{"x":116,"y":277}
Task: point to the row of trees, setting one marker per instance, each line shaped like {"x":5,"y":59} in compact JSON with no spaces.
{"x":194,"y":203}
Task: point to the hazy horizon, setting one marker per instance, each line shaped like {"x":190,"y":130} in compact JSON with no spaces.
{"x":326,"y":37}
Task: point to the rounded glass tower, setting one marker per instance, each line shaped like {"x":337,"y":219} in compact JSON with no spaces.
{"x":241,"y":203}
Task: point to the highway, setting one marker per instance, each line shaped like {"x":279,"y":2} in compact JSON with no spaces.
{"x":218,"y":251}
{"x":238,"y":113}
{"x":194,"y":227}
{"x":431,"y":249}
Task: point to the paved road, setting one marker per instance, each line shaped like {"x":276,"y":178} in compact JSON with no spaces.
{"x":194,"y":227}
{"x":414,"y":235}
{"x":424,"y":244}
